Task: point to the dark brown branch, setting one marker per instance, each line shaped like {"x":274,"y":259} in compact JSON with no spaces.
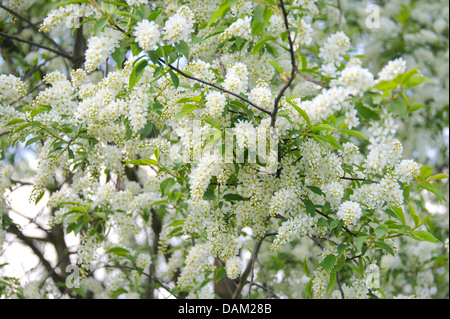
{"x":248,"y":269}
{"x":32,"y":25}
{"x":6,"y":35}
{"x":309,"y":79}
{"x":293,"y":71}
{"x":214,"y":86}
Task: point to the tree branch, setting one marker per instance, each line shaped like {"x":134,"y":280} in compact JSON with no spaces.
{"x":32,"y":25}
{"x":293,"y":71}
{"x":174,"y":68}
{"x":6,"y":35}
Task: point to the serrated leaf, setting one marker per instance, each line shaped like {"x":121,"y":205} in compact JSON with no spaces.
{"x":332,"y":281}
{"x":15,"y":121}
{"x":354,"y":133}
{"x":425,"y":171}
{"x":119,"y":251}
{"x":328,"y":262}
{"x":99,"y":25}
{"x":186,"y":109}
{"x":305,"y":268}
{"x":310,"y":208}
{"x":276,"y":66}
{"x":261,"y":43}
{"x":424,"y":236}
{"x":183,"y":48}
{"x":34,"y":139}
{"x":308,"y":289}
{"x":439,"y":176}
{"x":398,"y":211}
{"x":166,"y":185}
{"x":212,"y":122}
{"x":385,"y":247}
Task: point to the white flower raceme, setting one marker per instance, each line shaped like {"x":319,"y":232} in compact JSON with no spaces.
{"x":407,"y":170}
{"x":233,"y":267}
{"x":392,"y":70}
{"x":356,"y":79}
{"x":349,"y":212}
{"x":100,"y":47}
{"x":69,"y":15}
{"x":215,"y":103}
{"x":179,"y":26}
{"x":334,"y":48}
{"x":305,"y":33}
{"x":147,"y":34}
{"x":143,"y":260}
{"x":236,"y":80}
{"x":261,"y":95}
{"x":11,"y":88}
{"x":239,"y":28}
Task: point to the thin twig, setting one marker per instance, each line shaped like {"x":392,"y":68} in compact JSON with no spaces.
{"x":293,"y":71}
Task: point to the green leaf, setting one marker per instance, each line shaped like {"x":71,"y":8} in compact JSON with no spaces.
{"x":425,"y":171}
{"x":398,"y":211}
{"x":137,"y":71}
{"x":219,"y":274}
{"x":439,"y":176}
{"x":366,"y":112}
{"x":416,"y":107}
{"x":154,"y":15}
{"x":174,"y":78}
{"x":233,"y":197}
{"x":315,"y":190}
{"x":145,"y":131}
{"x":99,"y":25}
{"x":143,"y":162}
{"x":183,"y":48}
{"x":177,"y":222}
{"x":328,"y":262}
{"x":415,"y":80}
{"x":166,"y":185}
{"x":386,"y":85}
{"x":276,"y":66}
{"x":261,"y":43}
{"x":354,"y":133}
{"x":259,"y":21}
{"x":424,"y":236}
{"x":39,"y":197}
{"x":34,"y":139}
{"x":359,"y":241}
{"x":302,"y":113}
{"x":310,"y":208}
{"x":212,"y":122}
{"x":308,"y":289}
{"x":399,"y":107}
{"x":332,"y":281}
{"x":305,"y":268}
{"x":328,"y":139}
{"x":414,"y":215}
{"x":186,"y":109}
{"x":385,"y":247}
{"x":119,"y":251}
{"x":224,"y":7}
{"x":381,"y":230}
{"x":15,"y":121}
